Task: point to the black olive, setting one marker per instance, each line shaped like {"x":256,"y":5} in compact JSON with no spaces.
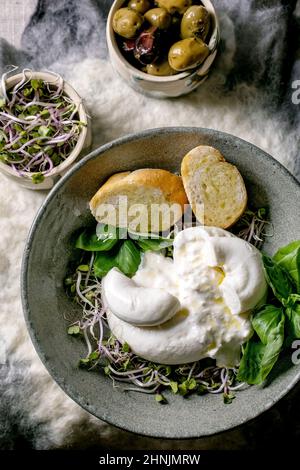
{"x":147,"y":46}
{"x":128,"y":45}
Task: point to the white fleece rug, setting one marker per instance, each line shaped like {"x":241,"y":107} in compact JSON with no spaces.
{"x":35,"y":402}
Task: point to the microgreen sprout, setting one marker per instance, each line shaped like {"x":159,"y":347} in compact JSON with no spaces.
{"x":252,"y":226}
{"x":39,"y":125}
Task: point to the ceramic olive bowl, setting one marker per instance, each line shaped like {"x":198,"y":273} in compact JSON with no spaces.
{"x":49,"y":250}
{"x":168,"y":86}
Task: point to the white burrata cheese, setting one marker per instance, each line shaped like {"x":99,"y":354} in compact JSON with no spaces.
{"x":135,"y":304}
{"x":216,"y":277}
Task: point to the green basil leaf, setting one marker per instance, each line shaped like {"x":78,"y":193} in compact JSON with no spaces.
{"x":104,"y":232}
{"x":258,"y":361}
{"x":278,"y":278}
{"x":262,"y":352}
{"x":293,"y":318}
{"x":88,"y":241}
{"x":289,"y":258}
{"x":154,"y":245}
{"x":151,"y":241}
{"x":128,"y":258}
{"x":104,"y":261}
{"x":250,"y":366}
{"x":267,"y":323}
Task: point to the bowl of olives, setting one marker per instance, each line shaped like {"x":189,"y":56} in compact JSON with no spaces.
{"x":163,"y":48}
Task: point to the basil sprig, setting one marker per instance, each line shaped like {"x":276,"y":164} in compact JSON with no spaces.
{"x":115,"y":247}
{"x":263,"y":349}
{"x":278,"y":279}
{"x":292,"y":318}
{"x":126,"y":257}
{"x":89,"y":241}
{"x":275,"y":325}
{"x":288,"y":257}
{"x":151,"y":242}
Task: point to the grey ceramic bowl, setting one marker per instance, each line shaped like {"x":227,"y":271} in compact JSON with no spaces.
{"x":48,"y":251}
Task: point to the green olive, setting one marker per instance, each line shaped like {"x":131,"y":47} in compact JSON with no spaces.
{"x":160,"y":69}
{"x":187,"y":54}
{"x":127,"y":22}
{"x":195,"y":22}
{"x":139,"y":5}
{"x":174,"y":6}
{"x":159,"y":17}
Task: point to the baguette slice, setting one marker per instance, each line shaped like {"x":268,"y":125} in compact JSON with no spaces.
{"x":215,"y":188}
{"x":114,"y":178}
{"x":146,"y":200}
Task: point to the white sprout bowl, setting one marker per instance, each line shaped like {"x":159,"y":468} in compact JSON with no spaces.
{"x":83,"y":142}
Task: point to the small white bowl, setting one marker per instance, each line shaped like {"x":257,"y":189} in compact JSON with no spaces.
{"x":162,"y":87}
{"x":84,"y":139}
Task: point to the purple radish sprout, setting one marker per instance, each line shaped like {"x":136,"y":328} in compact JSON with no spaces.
{"x":37,"y":116}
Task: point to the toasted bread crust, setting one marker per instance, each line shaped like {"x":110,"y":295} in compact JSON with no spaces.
{"x":145,"y":186}
{"x":107,"y":186}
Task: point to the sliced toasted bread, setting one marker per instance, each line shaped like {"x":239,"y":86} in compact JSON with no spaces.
{"x":146,"y":200}
{"x":114,"y":178}
{"x":215,"y":188}
{"x":199,"y":156}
